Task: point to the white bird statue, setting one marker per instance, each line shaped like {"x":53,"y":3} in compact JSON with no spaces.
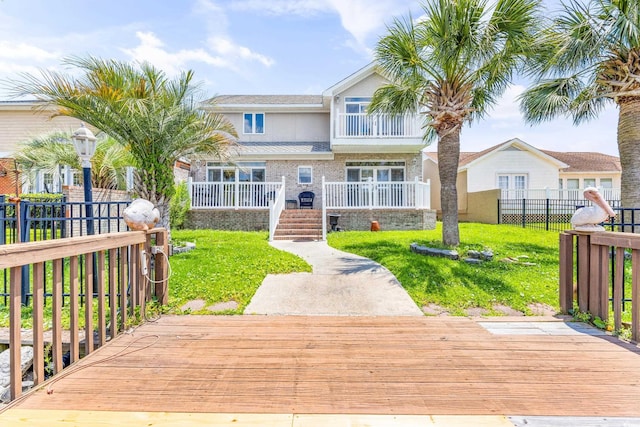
{"x":141,"y":215}
{"x":588,"y":217}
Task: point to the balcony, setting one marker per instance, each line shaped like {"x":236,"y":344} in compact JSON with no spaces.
{"x":383,"y":133}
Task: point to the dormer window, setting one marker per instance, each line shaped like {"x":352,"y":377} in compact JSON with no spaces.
{"x":253,"y":123}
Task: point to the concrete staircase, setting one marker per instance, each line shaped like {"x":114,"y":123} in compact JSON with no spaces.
{"x":299,"y":224}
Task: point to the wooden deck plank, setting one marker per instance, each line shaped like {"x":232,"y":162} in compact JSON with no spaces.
{"x":348,"y":365}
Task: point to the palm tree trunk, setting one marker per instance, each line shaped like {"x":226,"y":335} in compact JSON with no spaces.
{"x":629,"y":150}
{"x":448,"y":157}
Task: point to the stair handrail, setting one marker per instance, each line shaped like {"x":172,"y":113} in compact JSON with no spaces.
{"x":275,"y":210}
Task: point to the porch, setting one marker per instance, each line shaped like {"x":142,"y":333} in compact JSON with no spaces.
{"x":260,"y":204}
{"x":271,"y":370}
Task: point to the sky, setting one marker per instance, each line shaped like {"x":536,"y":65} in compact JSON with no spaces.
{"x":254,"y":47}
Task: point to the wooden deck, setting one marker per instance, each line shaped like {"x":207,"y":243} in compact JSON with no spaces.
{"x":346,"y":365}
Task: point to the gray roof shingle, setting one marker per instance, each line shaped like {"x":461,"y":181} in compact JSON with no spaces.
{"x":267,"y":99}
{"x":285,"y":148}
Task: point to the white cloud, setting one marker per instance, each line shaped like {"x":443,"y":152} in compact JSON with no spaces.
{"x":224,"y":54}
{"x":360,"y":18}
{"x":228,"y":49}
{"x":151,"y":49}
{"x":282,"y":7}
{"x":26,"y":51}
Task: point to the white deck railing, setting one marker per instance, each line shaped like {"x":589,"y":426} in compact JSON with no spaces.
{"x":275,"y":209}
{"x":376,"y":195}
{"x":609,"y":194}
{"x":233,"y":195}
{"x":377,"y":126}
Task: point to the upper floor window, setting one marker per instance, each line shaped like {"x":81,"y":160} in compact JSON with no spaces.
{"x":589,"y":182}
{"x":254,"y":123}
{"x":353,"y":104}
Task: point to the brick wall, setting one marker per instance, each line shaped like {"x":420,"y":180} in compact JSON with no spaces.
{"x":8,"y":177}
{"x":258,"y":220}
{"x":332,"y":170}
{"x":389,"y":219}
{"x":236,"y":220}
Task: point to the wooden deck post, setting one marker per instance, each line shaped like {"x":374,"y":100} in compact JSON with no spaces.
{"x":15,"y":338}
{"x":162,"y":268}
{"x":584,"y":263}
{"x":566,"y":272}
{"x":598,"y":281}
{"x":635,"y":296}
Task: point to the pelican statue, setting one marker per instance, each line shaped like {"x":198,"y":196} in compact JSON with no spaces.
{"x":588,"y":217}
{"x":141,"y":215}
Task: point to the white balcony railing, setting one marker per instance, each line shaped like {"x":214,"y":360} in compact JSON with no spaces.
{"x":609,"y":194}
{"x":377,"y":126}
{"x":376,"y":195}
{"x":233,"y":195}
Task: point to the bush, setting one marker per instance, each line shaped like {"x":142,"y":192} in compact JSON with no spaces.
{"x":179,"y":206}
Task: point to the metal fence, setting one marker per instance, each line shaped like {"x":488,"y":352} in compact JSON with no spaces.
{"x":552,"y":214}
{"x":36,"y":220}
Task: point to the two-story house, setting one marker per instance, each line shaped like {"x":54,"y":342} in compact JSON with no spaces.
{"x":357,"y":167}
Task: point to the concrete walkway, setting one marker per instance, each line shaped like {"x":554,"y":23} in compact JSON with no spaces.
{"x":341,"y":284}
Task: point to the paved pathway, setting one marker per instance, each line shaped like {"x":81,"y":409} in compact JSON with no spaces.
{"x":341,"y":284}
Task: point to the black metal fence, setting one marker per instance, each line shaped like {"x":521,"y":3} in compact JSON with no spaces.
{"x":34,"y":220}
{"x":555,"y":214}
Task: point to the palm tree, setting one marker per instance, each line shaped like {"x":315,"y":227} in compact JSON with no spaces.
{"x":452,"y":66}
{"x":46,"y":153}
{"x":590,"y":58}
{"x":158,"y":120}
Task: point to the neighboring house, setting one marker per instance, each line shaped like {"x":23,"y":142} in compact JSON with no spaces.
{"x":21,"y":121}
{"x":371,"y":164}
{"x":515,"y":169}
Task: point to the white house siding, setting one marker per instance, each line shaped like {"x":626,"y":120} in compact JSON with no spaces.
{"x":541,"y":173}
{"x":366,"y":87}
{"x":285,"y":127}
{"x":23,"y":124}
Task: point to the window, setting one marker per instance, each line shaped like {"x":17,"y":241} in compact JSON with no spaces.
{"x":254,"y":123}
{"x":376,"y":171}
{"x":47,"y":181}
{"x":246,"y":172}
{"x":357,"y":123}
{"x":589,"y":182}
{"x":606,"y":182}
{"x":512,"y":181}
{"x":503,"y":182}
{"x":305,"y":175}
{"x":573,"y":184}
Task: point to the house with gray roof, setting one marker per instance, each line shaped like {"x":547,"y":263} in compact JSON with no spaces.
{"x":517,"y":170}
{"x":358,"y":167}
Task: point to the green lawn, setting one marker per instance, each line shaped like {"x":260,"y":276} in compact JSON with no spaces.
{"x":456,"y":285}
{"x":225,"y":266}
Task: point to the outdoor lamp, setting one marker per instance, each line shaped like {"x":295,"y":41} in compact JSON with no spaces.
{"x":85,"y":144}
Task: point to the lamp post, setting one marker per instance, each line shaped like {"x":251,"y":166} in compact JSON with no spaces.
{"x":85,"y":144}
